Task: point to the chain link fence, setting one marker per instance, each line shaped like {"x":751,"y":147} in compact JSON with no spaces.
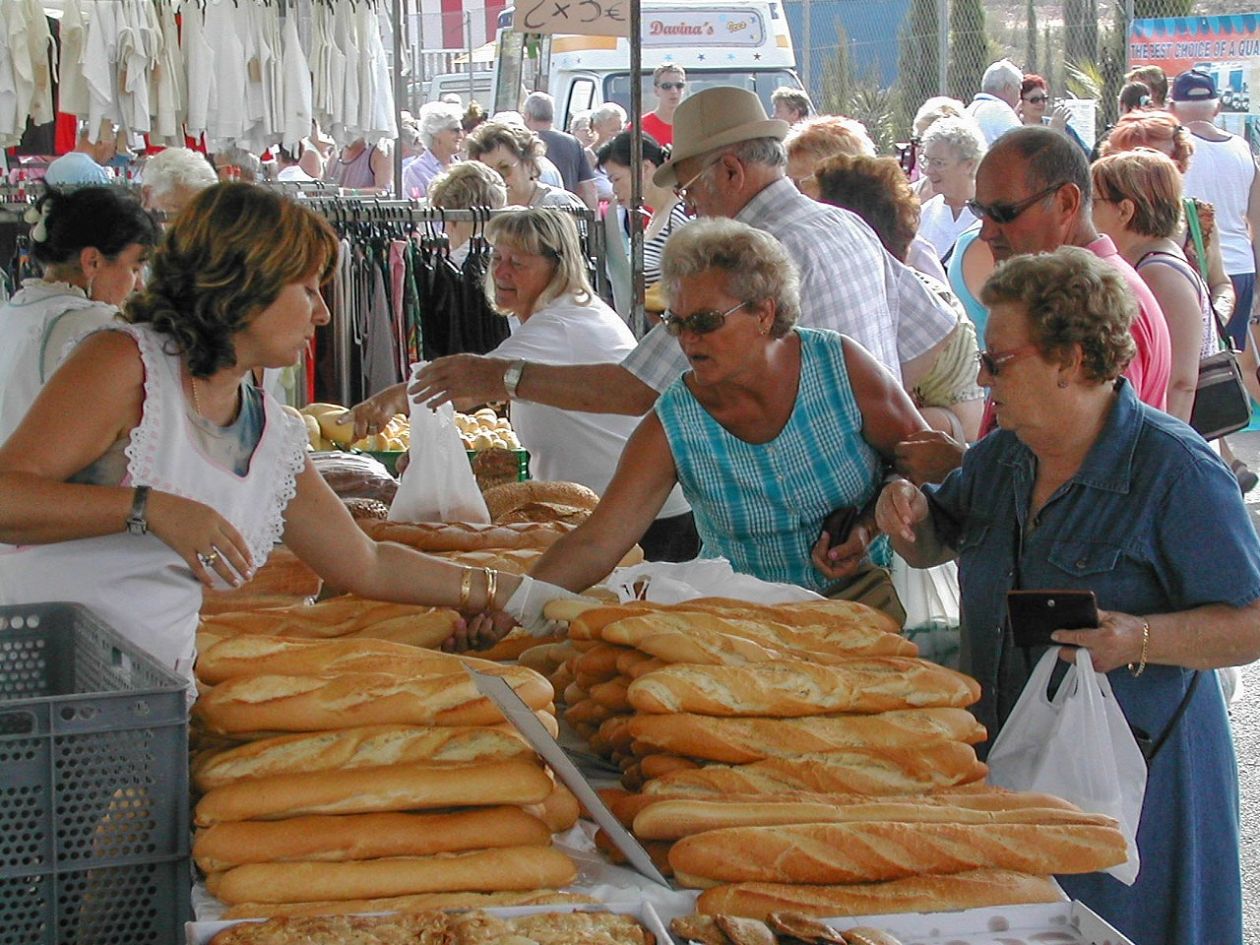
{"x":879,"y":60}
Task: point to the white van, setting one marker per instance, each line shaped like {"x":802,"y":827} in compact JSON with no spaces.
{"x":743,"y":43}
{"x":467,"y":85}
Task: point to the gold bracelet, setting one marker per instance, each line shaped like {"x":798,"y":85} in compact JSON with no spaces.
{"x":1146,"y":641}
{"x":465,"y":588}
{"x":492,"y":587}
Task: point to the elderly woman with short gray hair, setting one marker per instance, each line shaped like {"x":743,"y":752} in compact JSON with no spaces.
{"x":951,"y":152}
{"x":771,"y":430}
{"x":441,"y":132}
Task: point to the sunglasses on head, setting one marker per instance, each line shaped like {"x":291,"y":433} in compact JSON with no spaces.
{"x":671,"y":86}
{"x":1002,"y":213}
{"x":698,"y":323}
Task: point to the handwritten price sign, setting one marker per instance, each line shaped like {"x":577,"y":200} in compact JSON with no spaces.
{"x":587,"y":17}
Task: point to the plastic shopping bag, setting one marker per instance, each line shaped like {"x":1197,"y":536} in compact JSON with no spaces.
{"x":1078,"y":747}
{"x":668,"y":582}
{"x":438,"y":484}
{"x":931,"y":601}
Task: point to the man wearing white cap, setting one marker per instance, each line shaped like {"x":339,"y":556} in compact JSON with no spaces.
{"x":728,"y":161}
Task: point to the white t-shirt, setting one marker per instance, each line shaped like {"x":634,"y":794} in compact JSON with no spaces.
{"x":570,"y":445}
{"x":1221,"y":173}
{"x":938,"y":226}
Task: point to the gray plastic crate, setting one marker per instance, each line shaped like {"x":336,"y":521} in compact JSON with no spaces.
{"x":93,"y":785}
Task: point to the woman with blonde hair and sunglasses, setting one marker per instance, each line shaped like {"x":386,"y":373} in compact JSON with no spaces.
{"x":172,"y":471}
{"x":771,"y":430}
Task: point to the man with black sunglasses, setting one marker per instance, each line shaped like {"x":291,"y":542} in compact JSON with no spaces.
{"x":669,"y":84}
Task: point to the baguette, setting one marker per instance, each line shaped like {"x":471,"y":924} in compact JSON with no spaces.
{"x":506,"y":868}
{"x":695,"y":637}
{"x":611,"y":694}
{"x":283,"y":576}
{"x":316,"y":703}
{"x":849,"y":771}
{"x":343,"y":616}
{"x":973,"y":889}
{"x":797,"y":688}
{"x":365,"y":836}
{"x":675,"y":818}
{"x":827,"y":854}
{"x":464,"y":536}
{"x":740,"y":740}
{"x":501,"y":500}
{"x":420,"y":902}
{"x":559,"y":810}
{"x":372,"y":790}
{"x":514,"y":644}
{"x":250,"y":655}
{"x":364,"y":747}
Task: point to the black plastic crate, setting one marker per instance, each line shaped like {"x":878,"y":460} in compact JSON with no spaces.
{"x":93,"y":785}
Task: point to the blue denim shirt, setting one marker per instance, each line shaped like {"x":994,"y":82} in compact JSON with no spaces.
{"x":1146,"y":523}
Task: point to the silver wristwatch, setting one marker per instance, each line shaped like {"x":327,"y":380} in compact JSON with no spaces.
{"x":512,"y":377}
{"x":137,"y":522}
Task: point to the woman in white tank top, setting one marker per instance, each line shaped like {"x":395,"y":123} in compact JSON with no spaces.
{"x":172,"y":472}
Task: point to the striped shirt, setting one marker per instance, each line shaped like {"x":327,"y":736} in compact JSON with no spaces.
{"x":762,"y":505}
{"x":849,"y":284}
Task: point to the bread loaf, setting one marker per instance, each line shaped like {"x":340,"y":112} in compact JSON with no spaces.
{"x":697,"y":637}
{"x":251,"y":655}
{"x":316,"y":703}
{"x":612,"y":694}
{"x":343,"y":616}
{"x":365,"y":836}
{"x":420,"y":902}
{"x":973,"y":889}
{"x":371,"y":790}
{"x":740,"y":740}
{"x":506,"y":868}
{"x":559,"y":810}
{"x":599,"y":662}
{"x":674,"y":818}
{"x":369,"y":746}
{"x":854,"y":770}
{"x":827,"y":854}
{"x":503,"y":499}
{"x":463,"y":536}
{"x":514,"y":644}
{"x":797,"y":688}
{"x":282,"y":575}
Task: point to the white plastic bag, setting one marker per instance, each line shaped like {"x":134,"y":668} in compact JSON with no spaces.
{"x":1078,"y":747}
{"x":667,"y":582}
{"x":438,"y":484}
{"x":931,"y":602}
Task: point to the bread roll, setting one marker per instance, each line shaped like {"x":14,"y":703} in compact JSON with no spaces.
{"x":973,"y":889}
{"x":612,"y":694}
{"x":559,"y":810}
{"x":514,"y":644}
{"x":675,"y":818}
{"x":420,"y":902}
{"x":697,"y":637}
{"x":463,"y":536}
{"x":282,"y":575}
{"x":503,"y":499}
{"x":365,"y":836}
{"x":849,"y":771}
{"x":740,"y":740}
{"x":797,"y":688}
{"x":828,"y":854}
{"x":251,"y":655}
{"x":371,"y":790}
{"x":369,"y":746}
{"x":506,"y":868}
{"x":316,"y":703}
{"x":656,"y":766}
{"x":599,"y":662}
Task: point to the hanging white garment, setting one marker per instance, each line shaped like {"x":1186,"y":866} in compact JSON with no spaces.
{"x":383,"y":122}
{"x":273,"y":76}
{"x":298,"y":89}
{"x":33,"y":60}
{"x":347,"y":117}
{"x":11,"y":126}
{"x":168,"y":82}
{"x":225,"y":123}
{"x":72,"y":88}
{"x":319,"y":57}
{"x":100,"y":65}
{"x":202,"y":86}
{"x":137,"y":47}
{"x":365,"y":30}
{"x":249,"y":28}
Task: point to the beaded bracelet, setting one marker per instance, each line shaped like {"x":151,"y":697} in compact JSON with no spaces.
{"x":1146,"y":640}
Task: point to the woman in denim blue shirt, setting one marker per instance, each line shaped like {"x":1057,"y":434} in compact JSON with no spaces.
{"x":1085,"y":487}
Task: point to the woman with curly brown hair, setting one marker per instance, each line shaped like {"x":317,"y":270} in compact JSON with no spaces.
{"x":173,"y":471}
{"x":514,"y":151}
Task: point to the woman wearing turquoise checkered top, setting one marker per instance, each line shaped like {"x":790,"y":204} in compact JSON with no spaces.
{"x":771,"y":429}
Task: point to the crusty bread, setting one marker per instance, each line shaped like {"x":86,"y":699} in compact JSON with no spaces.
{"x":343,"y":616}
{"x":514,"y":644}
{"x":273,"y":703}
{"x":797,"y":688}
{"x":867,"y":771}
{"x":709,"y":638}
{"x":463,"y":536}
{"x":559,"y":810}
{"x":674,"y":818}
{"x":284,"y":579}
{"x":365,"y":836}
{"x":740,"y":740}
{"x":420,"y":902}
{"x":506,"y":868}
{"x":972,"y":889}
{"x":370,"y":790}
{"x":501,"y":500}
{"x":864,"y":852}
{"x":367,"y":746}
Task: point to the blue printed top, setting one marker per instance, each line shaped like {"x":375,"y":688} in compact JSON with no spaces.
{"x":761,"y":505}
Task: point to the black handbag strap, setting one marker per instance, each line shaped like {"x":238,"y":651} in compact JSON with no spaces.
{"x":1152,"y":748}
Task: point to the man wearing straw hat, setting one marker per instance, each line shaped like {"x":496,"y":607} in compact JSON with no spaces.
{"x":728,"y":161}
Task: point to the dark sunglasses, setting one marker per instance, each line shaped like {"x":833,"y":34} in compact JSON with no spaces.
{"x":1002,"y":213}
{"x":993,"y":362}
{"x":671,"y":86}
{"x":1036,"y":99}
{"x":699,"y":323}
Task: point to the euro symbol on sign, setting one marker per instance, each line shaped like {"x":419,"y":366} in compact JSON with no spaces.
{"x":615,"y":13}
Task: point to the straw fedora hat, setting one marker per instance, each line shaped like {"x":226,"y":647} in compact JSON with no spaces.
{"x":715,"y":118}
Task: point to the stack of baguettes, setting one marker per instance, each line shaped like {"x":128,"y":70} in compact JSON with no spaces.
{"x":800,"y":757}
{"x":364,"y":775}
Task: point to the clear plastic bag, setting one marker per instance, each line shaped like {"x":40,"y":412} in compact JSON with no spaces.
{"x":1077,"y":746}
{"x":931,"y":601}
